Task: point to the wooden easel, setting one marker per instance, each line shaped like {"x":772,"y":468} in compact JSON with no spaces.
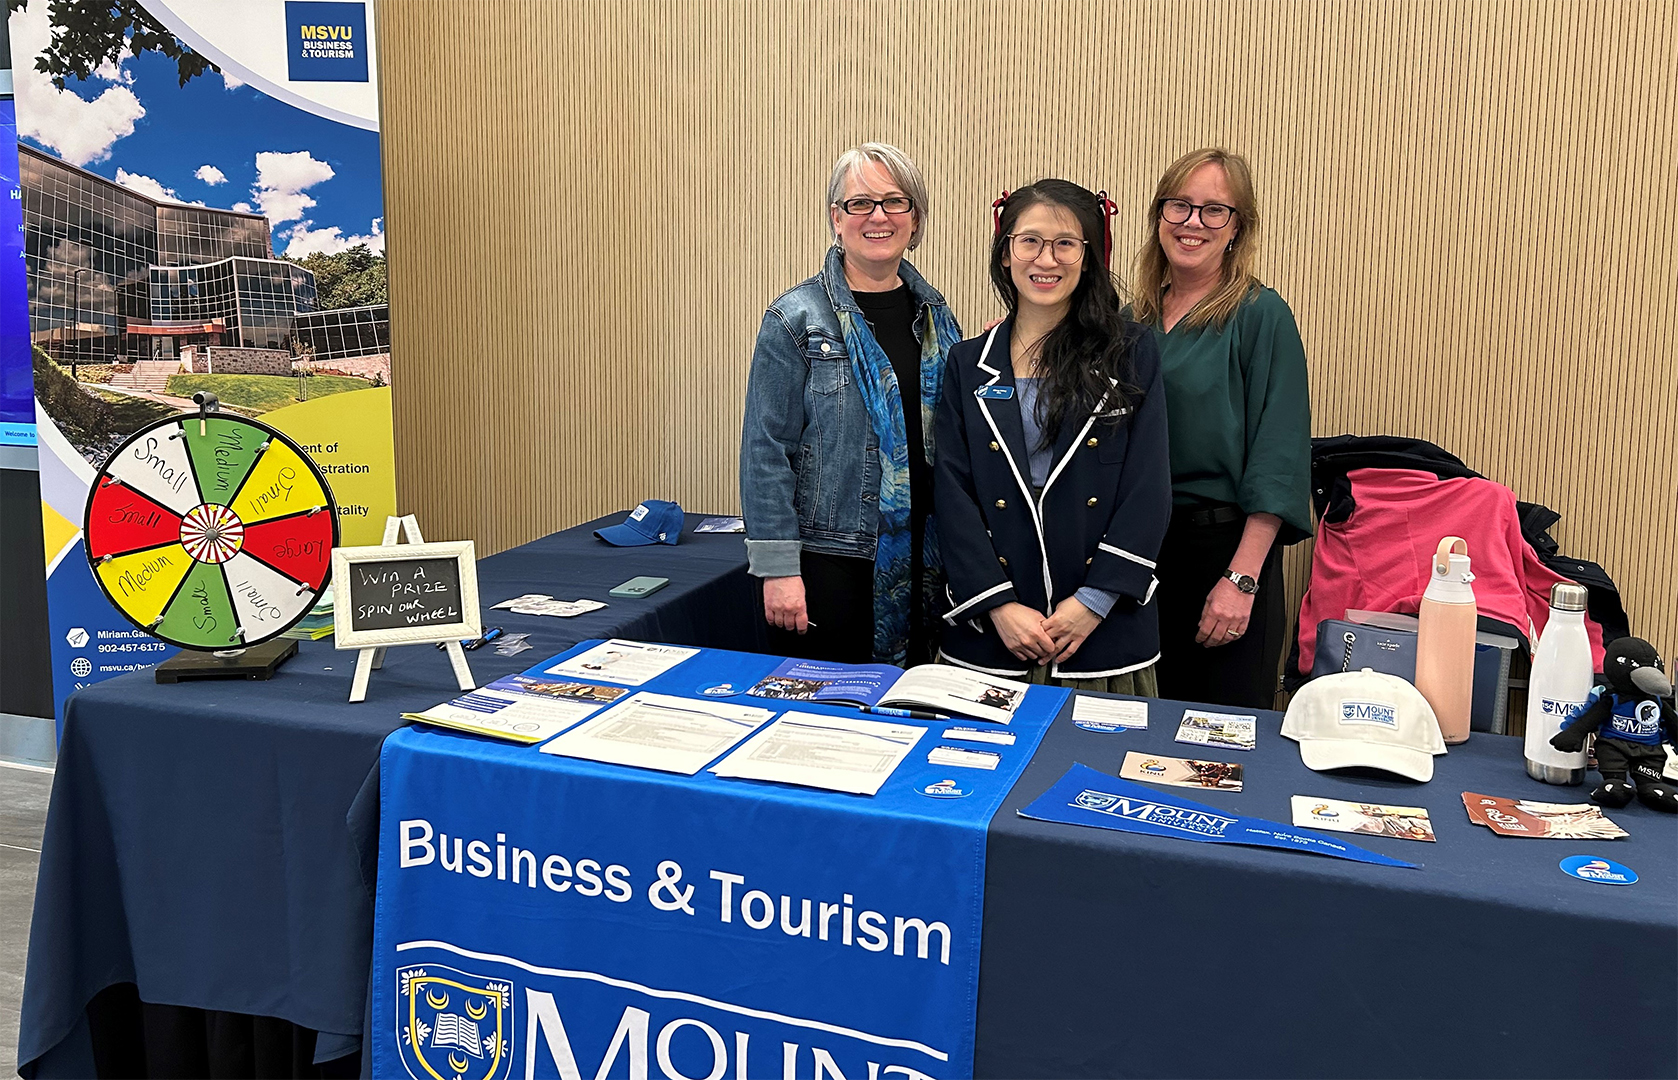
{"x":369,"y":659}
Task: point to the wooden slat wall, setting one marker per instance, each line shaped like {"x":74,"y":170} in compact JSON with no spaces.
{"x":1470,"y":208}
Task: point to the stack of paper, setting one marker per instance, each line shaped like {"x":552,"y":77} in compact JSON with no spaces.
{"x":1108,"y":714}
{"x":316,"y":624}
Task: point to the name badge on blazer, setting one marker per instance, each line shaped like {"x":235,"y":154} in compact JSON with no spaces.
{"x":1114,"y":414}
{"x":994,"y":393}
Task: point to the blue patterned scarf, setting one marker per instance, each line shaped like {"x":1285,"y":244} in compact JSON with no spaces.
{"x":877,"y":382}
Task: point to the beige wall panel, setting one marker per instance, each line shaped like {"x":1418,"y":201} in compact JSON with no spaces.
{"x":1467,"y":205}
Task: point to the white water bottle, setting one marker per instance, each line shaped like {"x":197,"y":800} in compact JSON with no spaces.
{"x":1560,"y":685}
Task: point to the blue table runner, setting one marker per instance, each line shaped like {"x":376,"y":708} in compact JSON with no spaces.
{"x":849,"y":943}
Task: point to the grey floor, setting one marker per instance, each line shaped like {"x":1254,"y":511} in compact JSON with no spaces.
{"x":23,"y":816}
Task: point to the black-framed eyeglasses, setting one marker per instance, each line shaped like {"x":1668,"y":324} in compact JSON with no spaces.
{"x":1065,"y":250}
{"x":862,"y":205}
{"x":1212,"y":215}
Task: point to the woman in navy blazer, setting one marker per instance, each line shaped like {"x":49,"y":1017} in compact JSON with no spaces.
{"x":1053,"y":477}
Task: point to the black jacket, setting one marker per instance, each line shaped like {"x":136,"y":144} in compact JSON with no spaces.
{"x":1102,"y":515}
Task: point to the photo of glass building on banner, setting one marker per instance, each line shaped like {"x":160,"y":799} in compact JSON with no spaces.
{"x":117,"y":277}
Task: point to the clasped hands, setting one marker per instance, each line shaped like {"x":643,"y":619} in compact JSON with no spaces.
{"x":1040,"y":639}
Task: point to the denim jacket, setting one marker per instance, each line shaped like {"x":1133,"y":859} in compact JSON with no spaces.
{"x":809,"y":461}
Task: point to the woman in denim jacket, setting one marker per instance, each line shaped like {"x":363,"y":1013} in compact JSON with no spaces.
{"x":835,"y":473}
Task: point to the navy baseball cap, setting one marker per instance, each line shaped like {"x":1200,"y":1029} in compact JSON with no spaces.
{"x":653,"y":522}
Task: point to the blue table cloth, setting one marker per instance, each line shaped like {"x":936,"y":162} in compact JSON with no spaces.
{"x":1115,"y":954}
{"x":734,"y":927}
{"x":196,"y":842}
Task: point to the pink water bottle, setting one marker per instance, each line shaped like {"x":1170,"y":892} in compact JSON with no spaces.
{"x":1445,"y":639}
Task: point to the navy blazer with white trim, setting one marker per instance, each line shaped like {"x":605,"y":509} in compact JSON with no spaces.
{"x":1102,"y":515}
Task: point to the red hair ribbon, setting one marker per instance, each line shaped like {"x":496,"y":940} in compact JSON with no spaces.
{"x":996,"y":209}
{"x":1109,"y":210}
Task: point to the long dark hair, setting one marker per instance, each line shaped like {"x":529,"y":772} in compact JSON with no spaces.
{"x":1092,"y":344}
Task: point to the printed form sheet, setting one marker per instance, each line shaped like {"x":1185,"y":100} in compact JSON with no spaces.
{"x":629,"y":662}
{"x":833,"y":752}
{"x":656,"y":731}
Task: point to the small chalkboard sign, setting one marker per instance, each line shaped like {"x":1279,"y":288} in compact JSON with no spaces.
{"x":405,"y":594}
{"x":395,"y":594}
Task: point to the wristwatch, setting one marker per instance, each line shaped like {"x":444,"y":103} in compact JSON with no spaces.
{"x":1245,"y":582}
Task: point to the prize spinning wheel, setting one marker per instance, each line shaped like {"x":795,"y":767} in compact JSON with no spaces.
{"x":211,"y":531}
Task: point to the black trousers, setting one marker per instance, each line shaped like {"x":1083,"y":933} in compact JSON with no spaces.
{"x":1242,"y":673}
{"x":1615,"y":758}
{"x":839,"y":594}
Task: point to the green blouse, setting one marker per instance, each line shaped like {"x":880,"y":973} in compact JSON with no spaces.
{"x":1239,"y":407}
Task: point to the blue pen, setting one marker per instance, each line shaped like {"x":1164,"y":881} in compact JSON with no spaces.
{"x":908,"y":714}
{"x":478,"y":642}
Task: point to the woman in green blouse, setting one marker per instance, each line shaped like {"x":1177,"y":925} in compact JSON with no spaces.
{"x":1240,"y":416}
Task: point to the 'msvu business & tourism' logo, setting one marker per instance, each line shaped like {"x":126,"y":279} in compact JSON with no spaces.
{"x":326,"y":41}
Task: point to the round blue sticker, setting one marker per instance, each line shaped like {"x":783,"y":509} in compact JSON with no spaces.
{"x":1097,"y":725}
{"x":1601,"y":871}
{"x":945,"y":789}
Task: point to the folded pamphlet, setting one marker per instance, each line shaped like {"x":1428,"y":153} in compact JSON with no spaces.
{"x":1540,"y":820}
{"x":520,"y":708}
{"x":1181,"y":772}
{"x":1337,"y":815}
{"x":1218,"y":729}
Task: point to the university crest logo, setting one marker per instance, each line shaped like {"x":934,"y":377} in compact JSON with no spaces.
{"x":452,"y":1025}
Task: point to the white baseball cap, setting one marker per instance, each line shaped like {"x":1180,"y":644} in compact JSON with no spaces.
{"x":1364,"y":718}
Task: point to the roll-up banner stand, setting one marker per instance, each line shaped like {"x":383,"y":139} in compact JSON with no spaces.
{"x":202,"y":211}
{"x":25,"y":691}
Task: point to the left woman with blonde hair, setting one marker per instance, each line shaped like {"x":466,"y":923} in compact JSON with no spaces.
{"x":836,"y":446}
{"x":1240,"y":420}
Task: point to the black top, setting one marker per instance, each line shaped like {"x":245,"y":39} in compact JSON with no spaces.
{"x":891,"y":316}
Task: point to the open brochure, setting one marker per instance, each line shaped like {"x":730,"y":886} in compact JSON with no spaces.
{"x":937,"y":688}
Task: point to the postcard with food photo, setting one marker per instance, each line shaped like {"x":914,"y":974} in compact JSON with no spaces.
{"x":1181,"y":772}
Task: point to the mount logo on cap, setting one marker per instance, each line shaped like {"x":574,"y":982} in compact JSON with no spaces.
{"x":1364,"y":718}
{"x":653,"y":522}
